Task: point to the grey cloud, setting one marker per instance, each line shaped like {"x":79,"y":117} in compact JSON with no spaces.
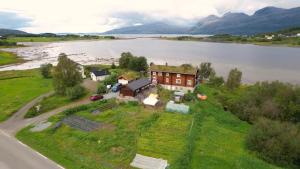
{"x":11,"y":20}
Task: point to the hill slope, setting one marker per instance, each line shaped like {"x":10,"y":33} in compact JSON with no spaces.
{"x":268,"y":19}
{"x":4,"y":32}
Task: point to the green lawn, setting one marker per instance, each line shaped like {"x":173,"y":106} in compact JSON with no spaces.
{"x":215,"y":140}
{"x":8,"y":58}
{"x":48,"y":104}
{"x":52,"y":102}
{"x":19,"y":88}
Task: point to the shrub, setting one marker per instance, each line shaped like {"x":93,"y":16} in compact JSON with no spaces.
{"x":46,"y":70}
{"x":75,"y":92}
{"x":189,"y":96}
{"x":234,"y":79}
{"x":110,"y":80}
{"x":216,"y":81}
{"x":101,"y":88}
{"x":278,"y":142}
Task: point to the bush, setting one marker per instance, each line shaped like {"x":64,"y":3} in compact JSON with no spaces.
{"x":277,"y":142}
{"x":189,"y":96}
{"x":75,"y":92}
{"x":101,"y":88}
{"x":46,"y":70}
{"x":110,"y":80}
{"x":216,"y":81}
{"x":234,"y":79}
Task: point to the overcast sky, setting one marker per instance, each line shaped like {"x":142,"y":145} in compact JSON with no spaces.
{"x":100,"y":15}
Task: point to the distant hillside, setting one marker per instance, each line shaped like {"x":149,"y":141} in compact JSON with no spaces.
{"x":265,"y":20}
{"x":269,"y":19}
{"x":152,"y":28}
{"x":4,"y":32}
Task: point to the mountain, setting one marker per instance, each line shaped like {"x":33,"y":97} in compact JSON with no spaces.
{"x":4,"y":32}
{"x":268,"y":19}
{"x":151,"y":28}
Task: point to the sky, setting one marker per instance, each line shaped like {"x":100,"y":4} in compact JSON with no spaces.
{"x":79,"y":16}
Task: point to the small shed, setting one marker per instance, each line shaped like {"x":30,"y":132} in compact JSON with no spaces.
{"x":135,"y":87}
{"x":99,"y":75}
{"x":127,"y":77}
{"x":180,"y":108}
{"x":151,"y":100}
{"x":144,"y":162}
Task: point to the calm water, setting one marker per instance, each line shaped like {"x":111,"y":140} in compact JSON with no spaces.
{"x":257,"y":62}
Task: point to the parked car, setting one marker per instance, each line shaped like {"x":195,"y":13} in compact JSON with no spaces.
{"x":96,"y":97}
{"x":116,"y":87}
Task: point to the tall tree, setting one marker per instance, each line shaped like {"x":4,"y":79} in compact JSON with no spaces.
{"x":125,"y":59}
{"x":205,"y":70}
{"x":234,"y":79}
{"x":66,"y":74}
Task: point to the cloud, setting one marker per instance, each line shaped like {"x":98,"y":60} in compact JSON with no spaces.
{"x":12,"y":20}
{"x":101,"y":15}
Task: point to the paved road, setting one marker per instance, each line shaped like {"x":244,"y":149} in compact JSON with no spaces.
{"x":16,"y":155}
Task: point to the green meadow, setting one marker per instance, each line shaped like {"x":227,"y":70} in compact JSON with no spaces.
{"x":8,"y":58}
{"x":19,"y":88}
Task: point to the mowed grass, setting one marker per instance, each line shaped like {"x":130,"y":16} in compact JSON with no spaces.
{"x":8,"y":58}
{"x":19,"y":88}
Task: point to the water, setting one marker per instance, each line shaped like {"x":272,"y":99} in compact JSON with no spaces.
{"x":256,"y":62}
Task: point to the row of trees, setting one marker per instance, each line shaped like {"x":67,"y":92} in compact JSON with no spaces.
{"x":207,"y":72}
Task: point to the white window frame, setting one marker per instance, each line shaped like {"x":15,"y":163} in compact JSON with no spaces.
{"x":178,"y":75}
{"x":167,"y":80}
{"x":167,"y":74}
{"x":189,"y":82}
{"x":154,"y":73}
{"x":159,"y":74}
{"x":178,"y":81}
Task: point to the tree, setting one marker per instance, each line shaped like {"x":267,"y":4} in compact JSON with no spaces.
{"x":113,"y":66}
{"x":75,"y":92}
{"x":46,"y":70}
{"x":128,"y":61}
{"x":66,"y":74}
{"x":125,"y":60}
{"x":205,"y":70}
{"x":101,"y":88}
{"x":216,"y":81}
{"x":234,"y":79}
{"x":110,"y":80}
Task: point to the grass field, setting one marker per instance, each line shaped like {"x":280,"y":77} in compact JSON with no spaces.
{"x":18,"y":88}
{"x":208,"y":138}
{"x":8,"y":58}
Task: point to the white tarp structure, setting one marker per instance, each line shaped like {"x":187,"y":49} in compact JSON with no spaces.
{"x":151,"y":100}
{"x":180,"y":108}
{"x":144,"y":162}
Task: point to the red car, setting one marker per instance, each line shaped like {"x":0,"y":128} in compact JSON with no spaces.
{"x":96,"y":97}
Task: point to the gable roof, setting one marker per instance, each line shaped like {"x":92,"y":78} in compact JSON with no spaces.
{"x":137,"y":84}
{"x":129,"y":75}
{"x":174,"y":69}
{"x":100,"y":72}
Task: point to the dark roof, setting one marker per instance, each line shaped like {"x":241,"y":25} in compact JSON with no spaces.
{"x":137,"y":84}
{"x":100,"y":72}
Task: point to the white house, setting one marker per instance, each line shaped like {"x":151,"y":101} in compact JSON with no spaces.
{"x":298,"y":34}
{"x":269,"y":37}
{"x":99,"y":75}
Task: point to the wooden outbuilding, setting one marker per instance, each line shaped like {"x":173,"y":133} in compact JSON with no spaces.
{"x":135,"y":87}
